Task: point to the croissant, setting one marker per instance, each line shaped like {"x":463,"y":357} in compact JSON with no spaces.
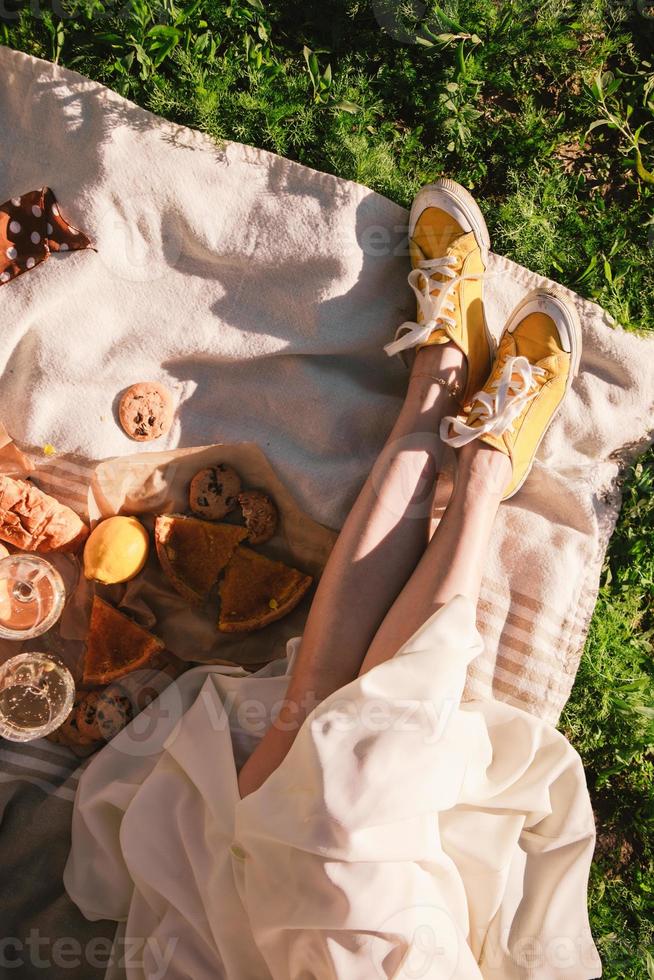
{"x":31,"y":520}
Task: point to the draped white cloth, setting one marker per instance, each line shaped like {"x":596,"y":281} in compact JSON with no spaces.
{"x":406,"y":835}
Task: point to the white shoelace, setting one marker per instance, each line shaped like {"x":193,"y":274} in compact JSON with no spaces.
{"x":436,"y":309}
{"x":500,"y":406}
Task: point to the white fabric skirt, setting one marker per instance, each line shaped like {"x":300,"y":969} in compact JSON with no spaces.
{"x":406,"y":835}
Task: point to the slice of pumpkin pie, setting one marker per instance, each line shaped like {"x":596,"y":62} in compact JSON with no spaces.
{"x":256,"y":591}
{"x":115,"y":644}
{"x":193,"y":553}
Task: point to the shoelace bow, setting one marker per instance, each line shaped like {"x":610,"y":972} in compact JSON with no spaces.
{"x":499,"y":407}
{"x":436,"y":309}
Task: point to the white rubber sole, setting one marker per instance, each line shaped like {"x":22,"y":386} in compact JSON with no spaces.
{"x":568,"y":324}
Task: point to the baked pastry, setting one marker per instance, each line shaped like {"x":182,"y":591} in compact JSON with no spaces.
{"x":85,"y":715}
{"x":69,"y":733}
{"x":213,"y":491}
{"x":146,"y":411}
{"x":193,"y":553}
{"x":97,"y":717}
{"x":32,"y":520}
{"x":256,"y":591}
{"x":115,"y":645}
{"x":113,"y":713}
{"x":260,"y":515}
{"x":102,"y":714}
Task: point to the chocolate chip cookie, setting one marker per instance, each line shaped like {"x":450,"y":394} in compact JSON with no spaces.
{"x":102,"y":714}
{"x":260,"y":515}
{"x":68,"y":732}
{"x":85,"y":716}
{"x":114,"y":711}
{"x":213,"y":492}
{"x":146,"y":411}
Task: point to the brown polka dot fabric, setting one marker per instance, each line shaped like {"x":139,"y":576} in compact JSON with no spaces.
{"x":31,"y":227}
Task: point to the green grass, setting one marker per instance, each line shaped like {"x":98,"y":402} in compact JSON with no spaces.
{"x":610,"y":719}
{"x":542,"y":109}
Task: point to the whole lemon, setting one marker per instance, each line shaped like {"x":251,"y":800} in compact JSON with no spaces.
{"x":116,"y":550}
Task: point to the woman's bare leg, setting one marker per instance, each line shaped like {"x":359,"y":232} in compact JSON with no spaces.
{"x":452,"y":564}
{"x":462,"y":535}
{"x":377,"y":550}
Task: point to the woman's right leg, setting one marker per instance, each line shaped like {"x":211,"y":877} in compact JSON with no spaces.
{"x":454,"y":560}
{"x":384,"y":535}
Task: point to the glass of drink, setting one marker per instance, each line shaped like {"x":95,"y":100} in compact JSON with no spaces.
{"x":36,"y":695}
{"x":32,"y":596}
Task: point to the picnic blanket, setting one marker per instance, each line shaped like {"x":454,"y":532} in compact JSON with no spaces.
{"x":261,"y":292}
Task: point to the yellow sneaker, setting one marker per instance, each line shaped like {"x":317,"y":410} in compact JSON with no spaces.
{"x":536,"y":362}
{"x":449,"y":244}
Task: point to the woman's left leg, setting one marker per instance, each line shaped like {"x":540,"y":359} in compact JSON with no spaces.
{"x":463,"y":536}
{"x":380,"y":544}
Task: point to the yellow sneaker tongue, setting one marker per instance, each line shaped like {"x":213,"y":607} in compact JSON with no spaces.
{"x":422,"y":246}
{"x":462,"y":246}
{"x":434,"y":233}
{"x":537,"y":337}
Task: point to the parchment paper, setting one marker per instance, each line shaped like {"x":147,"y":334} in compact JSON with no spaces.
{"x":150,"y":483}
